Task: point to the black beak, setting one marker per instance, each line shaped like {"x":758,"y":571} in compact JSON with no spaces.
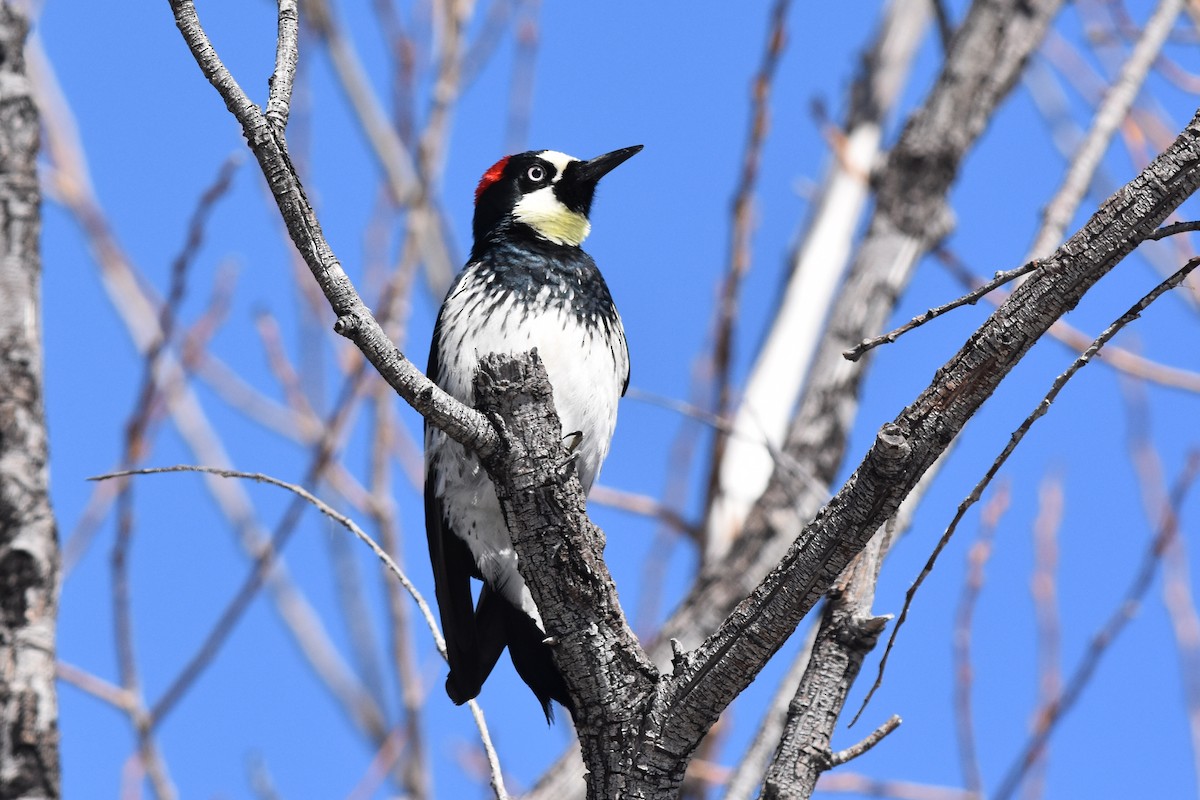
{"x":592,"y":171}
{"x":579,"y":180}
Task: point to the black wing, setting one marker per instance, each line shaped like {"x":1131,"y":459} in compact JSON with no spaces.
{"x":476,"y":636}
{"x":453,"y":566}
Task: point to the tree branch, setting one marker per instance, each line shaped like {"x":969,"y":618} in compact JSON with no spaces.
{"x":906,"y":447}
{"x":354,"y":320}
{"x":29,"y":556}
{"x":562,"y":560}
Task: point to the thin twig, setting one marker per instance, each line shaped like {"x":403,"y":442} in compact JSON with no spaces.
{"x":971,"y":298}
{"x":1173,"y":229}
{"x":876,"y":736}
{"x":520,"y":88}
{"x":282,"y":368}
{"x":477,"y":55}
{"x":495,"y":772}
{"x":382,"y":763}
{"x":1176,"y":589}
{"x":1050,"y":715}
{"x":135,"y":449}
{"x":1118,"y":358}
{"x":416,"y":777}
{"x":742,"y":226}
{"x":1061,"y":58}
{"x":96,"y":686}
{"x":977,"y":558}
{"x":265,"y":556}
{"x":1133,"y":313}
{"x":286,"y":54}
{"x":354,"y":320}
{"x":1112,"y":111}
{"x":380,"y":553}
{"x":644,"y":505}
{"x":1043,"y":587}
{"x":1179,"y":599}
{"x":852,"y":783}
{"x":141,"y":315}
{"x":944,"y":25}
{"x":693,"y":412}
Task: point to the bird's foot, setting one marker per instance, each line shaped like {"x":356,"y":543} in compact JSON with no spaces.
{"x":573,"y":440}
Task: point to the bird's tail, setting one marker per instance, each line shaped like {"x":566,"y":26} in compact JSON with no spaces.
{"x":498,"y":623}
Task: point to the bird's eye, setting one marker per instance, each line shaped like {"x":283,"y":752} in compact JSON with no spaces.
{"x":536,"y":173}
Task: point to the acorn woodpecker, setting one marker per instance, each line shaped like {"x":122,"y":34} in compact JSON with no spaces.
{"x":527,"y":284}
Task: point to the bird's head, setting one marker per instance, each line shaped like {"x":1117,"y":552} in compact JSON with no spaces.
{"x":548,"y":192}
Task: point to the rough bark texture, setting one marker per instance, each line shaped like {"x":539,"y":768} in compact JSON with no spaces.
{"x":848,"y":632}
{"x":906,"y":447}
{"x":985,"y":60}
{"x":638,"y":739}
{"x":562,"y":561}
{"x":911,"y":214}
{"x":355,"y":321}
{"x":639,"y":728}
{"x":29,"y":766}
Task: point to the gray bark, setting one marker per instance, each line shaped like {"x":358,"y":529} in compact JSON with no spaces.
{"x":638,"y":729}
{"x":911,"y":214}
{"x":848,"y":632}
{"x":29,"y":559}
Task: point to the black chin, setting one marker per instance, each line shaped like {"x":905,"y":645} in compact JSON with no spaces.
{"x":577,"y":186}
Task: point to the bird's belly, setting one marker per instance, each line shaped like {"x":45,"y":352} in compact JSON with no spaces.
{"x":586,"y":375}
{"x":585,"y":372}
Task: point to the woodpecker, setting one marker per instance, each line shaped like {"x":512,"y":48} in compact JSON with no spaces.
{"x":527,"y":284}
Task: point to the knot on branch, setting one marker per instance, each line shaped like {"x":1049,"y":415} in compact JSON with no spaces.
{"x":507,"y":380}
{"x":681,"y":659}
{"x":891,"y":449}
{"x":347,"y":324}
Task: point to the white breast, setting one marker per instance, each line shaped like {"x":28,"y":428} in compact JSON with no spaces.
{"x":587,"y":374}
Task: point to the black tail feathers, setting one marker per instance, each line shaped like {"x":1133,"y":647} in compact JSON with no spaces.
{"x":498,"y":624}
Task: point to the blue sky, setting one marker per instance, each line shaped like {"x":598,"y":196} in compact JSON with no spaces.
{"x":674,"y":77}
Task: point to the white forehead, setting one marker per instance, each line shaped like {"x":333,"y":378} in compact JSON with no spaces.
{"x":559,"y":160}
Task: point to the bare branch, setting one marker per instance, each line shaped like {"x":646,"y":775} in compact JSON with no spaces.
{"x":875,"y":737}
{"x":354,"y":320}
{"x":971,"y":298}
{"x":96,"y":686}
{"x":752,"y":765}
{"x":740,"y":233}
{"x":850,"y":783}
{"x":1043,"y":587}
{"x":1125,"y":611}
{"x":321,"y":506}
{"x":1087,"y":158}
{"x":1112,"y":112}
{"x":1129,"y":316}
{"x":945,"y":25}
{"x":1118,"y":358}
{"x":286,"y":53}
{"x":1174,"y":229}
{"x":361,"y":535}
{"x":816,"y":268}
{"x":977,"y":558}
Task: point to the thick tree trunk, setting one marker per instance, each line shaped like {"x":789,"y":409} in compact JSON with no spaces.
{"x":29,"y":766}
